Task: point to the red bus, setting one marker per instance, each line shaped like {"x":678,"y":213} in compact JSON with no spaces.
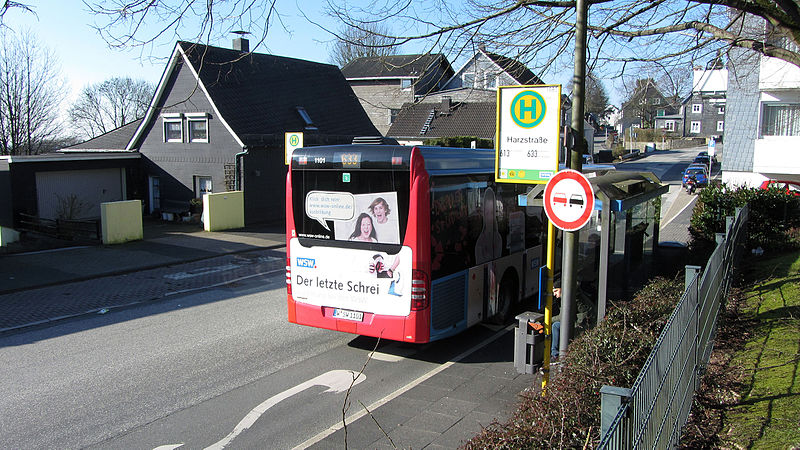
{"x":406,"y":243}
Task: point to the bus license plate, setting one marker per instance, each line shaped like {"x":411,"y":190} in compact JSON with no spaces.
{"x":349,"y":315}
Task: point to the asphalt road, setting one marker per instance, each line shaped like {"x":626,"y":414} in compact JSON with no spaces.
{"x":200,"y":370}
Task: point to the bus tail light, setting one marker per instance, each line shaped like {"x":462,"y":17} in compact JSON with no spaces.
{"x":419,"y":290}
{"x":288,"y":277}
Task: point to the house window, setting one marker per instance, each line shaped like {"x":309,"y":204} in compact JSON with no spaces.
{"x":655,"y":101}
{"x":721,"y":109}
{"x":661,"y":112}
{"x":720,"y":125}
{"x":198,"y":127}
{"x":202,"y":185}
{"x":697,"y":108}
{"x":393,"y":115}
{"x":491,"y":81}
{"x":669,"y":125}
{"x":695,"y":127}
{"x":468,"y":80}
{"x":405,"y":83}
{"x":781,"y":120}
{"x":173,"y":128}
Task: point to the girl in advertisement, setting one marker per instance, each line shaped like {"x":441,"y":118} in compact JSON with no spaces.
{"x":364,"y":230}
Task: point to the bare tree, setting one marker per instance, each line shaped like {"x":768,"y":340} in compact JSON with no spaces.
{"x":104,"y":106}
{"x":624,"y":35}
{"x":354,"y":43}
{"x":7,"y":5}
{"x":31,"y":92}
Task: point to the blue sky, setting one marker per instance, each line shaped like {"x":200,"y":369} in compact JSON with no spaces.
{"x":65,"y":27}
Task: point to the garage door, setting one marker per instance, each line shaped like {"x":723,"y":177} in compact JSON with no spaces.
{"x":77,"y":194}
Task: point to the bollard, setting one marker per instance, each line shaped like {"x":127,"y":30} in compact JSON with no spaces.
{"x":528,"y":342}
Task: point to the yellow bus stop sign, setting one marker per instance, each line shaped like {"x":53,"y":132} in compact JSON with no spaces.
{"x":292,"y":142}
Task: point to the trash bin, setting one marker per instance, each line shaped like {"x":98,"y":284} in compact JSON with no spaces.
{"x":528,"y":342}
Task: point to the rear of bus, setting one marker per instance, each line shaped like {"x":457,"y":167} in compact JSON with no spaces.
{"x":353,"y":239}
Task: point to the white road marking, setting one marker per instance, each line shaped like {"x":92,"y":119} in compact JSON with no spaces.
{"x":336,"y":381}
{"x":223,"y":283}
{"x":357,"y":415}
{"x":200,"y":272}
{"x":691,"y":202}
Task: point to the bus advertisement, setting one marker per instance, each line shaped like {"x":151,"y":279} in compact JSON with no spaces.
{"x":410,"y":244}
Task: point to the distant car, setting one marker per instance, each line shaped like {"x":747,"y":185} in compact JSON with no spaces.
{"x":790,"y":187}
{"x":702,"y":159}
{"x":713,"y":158}
{"x":699,"y":172}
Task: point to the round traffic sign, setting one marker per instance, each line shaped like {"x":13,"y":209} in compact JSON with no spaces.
{"x":568,"y":200}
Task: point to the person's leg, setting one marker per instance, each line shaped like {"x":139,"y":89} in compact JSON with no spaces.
{"x":556,"y":335}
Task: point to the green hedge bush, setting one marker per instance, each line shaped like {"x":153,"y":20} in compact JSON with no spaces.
{"x":459,"y":142}
{"x":773,"y":216}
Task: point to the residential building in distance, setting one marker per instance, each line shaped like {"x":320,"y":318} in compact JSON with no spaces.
{"x":218,"y":119}
{"x":466,"y":104}
{"x":702,"y":112}
{"x":428,"y":120}
{"x":486,"y":71}
{"x":762,"y":115}
{"x":383,"y":84}
{"x":645,"y":106}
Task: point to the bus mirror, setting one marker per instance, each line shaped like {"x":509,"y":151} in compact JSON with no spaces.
{"x":323,"y":205}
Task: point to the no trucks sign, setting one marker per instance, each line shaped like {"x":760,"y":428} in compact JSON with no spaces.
{"x":569,"y":200}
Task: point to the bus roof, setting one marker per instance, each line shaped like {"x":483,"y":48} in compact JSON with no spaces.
{"x":438,"y":160}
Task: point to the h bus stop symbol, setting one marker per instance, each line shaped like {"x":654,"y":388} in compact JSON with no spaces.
{"x":528,"y":109}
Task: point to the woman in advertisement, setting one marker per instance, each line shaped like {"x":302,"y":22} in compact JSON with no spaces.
{"x":364,"y":231}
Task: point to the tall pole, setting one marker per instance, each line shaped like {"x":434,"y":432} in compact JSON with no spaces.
{"x":568,"y":281}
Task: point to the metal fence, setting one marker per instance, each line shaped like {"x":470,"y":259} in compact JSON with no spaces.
{"x":652,"y":413}
{"x":89,"y":229}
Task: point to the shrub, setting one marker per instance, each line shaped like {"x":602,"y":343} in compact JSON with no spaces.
{"x":612,"y":353}
{"x":773,"y":216}
{"x":459,"y":142}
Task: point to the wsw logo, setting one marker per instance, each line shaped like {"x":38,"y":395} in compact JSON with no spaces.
{"x":307,"y":262}
{"x":528,"y":109}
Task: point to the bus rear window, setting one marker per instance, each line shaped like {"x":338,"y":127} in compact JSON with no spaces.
{"x":359,"y":206}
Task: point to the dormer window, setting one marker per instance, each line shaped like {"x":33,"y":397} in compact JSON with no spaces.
{"x":173,"y":127}
{"x":405,"y":83}
{"x":306,"y":118}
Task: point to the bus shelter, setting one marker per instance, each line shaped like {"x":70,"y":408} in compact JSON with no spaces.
{"x":617,"y":248}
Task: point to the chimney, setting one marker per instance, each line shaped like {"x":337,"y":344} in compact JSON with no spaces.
{"x":447,"y":104}
{"x":241,"y":44}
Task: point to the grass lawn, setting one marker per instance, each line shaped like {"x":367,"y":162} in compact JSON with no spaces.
{"x":755,"y":386}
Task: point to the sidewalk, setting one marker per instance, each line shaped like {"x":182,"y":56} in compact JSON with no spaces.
{"x":164,"y":244}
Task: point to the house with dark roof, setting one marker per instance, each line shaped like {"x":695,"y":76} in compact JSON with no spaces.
{"x":218,"y":121}
{"x":645,"y":105}
{"x":487,"y":70}
{"x":419,"y":121}
{"x":384,"y":83}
